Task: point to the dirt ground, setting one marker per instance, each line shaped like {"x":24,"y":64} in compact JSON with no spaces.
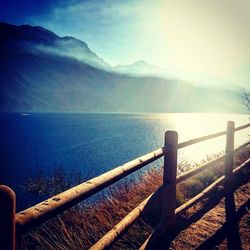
{"x":210,"y":231}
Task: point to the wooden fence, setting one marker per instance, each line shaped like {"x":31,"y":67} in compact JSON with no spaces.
{"x":15,"y":224}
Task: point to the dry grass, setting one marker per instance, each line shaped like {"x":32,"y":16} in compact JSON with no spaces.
{"x":83,"y":225}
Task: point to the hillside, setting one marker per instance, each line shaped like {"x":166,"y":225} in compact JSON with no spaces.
{"x":40,"y":71}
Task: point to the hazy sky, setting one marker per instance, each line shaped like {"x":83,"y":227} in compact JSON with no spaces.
{"x":205,"y":36}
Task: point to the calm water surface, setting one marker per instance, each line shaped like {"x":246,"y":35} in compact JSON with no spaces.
{"x":95,"y":143}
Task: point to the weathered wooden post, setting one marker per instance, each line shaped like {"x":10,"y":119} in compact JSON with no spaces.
{"x":229,"y":159}
{"x":161,"y":237}
{"x":169,"y":179}
{"x":233,"y":237}
{"x":7,"y":218}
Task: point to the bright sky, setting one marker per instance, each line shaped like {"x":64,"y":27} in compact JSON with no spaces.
{"x":202,"y":36}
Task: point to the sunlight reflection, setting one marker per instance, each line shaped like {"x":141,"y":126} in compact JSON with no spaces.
{"x":204,"y":124}
{"x":191,"y":125}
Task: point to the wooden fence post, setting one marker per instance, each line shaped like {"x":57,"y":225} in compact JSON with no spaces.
{"x":229,"y":159}
{"x":7,"y":218}
{"x":169,"y":179}
{"x":161,"y":238}
{"x":233,"y":237}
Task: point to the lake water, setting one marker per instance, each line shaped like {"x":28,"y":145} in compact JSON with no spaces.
{"x":95,"y":143}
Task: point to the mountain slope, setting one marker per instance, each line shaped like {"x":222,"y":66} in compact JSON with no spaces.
{"x":40,"y":40}
{"x":40,"y":72}
{"x":142,"y":68}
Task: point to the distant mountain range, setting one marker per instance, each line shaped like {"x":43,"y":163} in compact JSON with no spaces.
{"x":40,"y":71}
{"x":143,"y":68}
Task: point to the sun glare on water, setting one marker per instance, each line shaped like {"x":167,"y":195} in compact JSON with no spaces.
{"x":190,"y":126}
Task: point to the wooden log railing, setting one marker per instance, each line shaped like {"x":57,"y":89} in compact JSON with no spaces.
{"x":13,"y":225}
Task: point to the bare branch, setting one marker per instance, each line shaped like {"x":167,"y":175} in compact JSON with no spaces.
{"x":246,"y":100}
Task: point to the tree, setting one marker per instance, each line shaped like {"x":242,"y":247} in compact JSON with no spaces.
{"x":246,"y":100}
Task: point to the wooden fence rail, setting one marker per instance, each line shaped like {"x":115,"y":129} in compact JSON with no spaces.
{"x":12,"y":225}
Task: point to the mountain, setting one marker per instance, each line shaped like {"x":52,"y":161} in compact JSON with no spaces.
{"x":40,"y":71}
{"x":39,"y":40}
{"x":143,"y":68}
{"x":140,"y":68}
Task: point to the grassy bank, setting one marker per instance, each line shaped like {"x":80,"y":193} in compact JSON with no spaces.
{"x":81,"y":226}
